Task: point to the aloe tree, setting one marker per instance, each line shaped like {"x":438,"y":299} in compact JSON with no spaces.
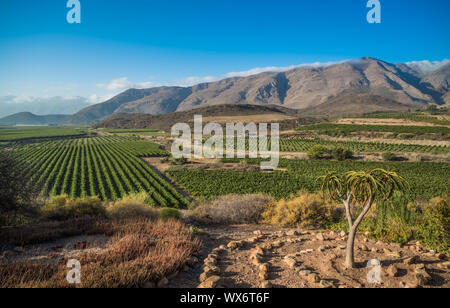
{"x":360,"y":189}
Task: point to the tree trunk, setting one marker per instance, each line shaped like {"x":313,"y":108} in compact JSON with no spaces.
{"x":349,"y":258}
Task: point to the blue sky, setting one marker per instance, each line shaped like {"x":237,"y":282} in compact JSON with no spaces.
{"x":141,"y":43}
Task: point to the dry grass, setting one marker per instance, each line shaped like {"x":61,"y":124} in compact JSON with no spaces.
{"x":140,"y":250}
{"x":231,"y":209}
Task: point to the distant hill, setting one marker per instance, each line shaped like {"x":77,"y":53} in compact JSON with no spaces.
{"x":27,"y":118}
{"x":300,"y":88}
{"x":166,"y":121}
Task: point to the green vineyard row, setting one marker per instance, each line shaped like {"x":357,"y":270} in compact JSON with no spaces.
{"x":108,"y":167}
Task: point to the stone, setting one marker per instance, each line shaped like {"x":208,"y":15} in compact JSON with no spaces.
{"x":326,"y":284}
{"x":290,"y":262}
{"x":266,"y":285}
{"x":342,"y":247}
{"x":442,"y":257}
{"x":392,"y":270}
{"x":210,"y":261}
{"x":313,"y":278}
{"x":255,"y":260}
{"x":263,"y":276}
{"x":266,"y":246}
{"x":252,"y":240}
{"x":162,"y":283}
{"x":209,"y":283}
{"x":320,"y":237}
{"x":232,"y":245}
{"x":277,"y":244}
{"x":422,"y":277}
{"x":214,"y":270}
{"x":292,"y":233}
{"x":264,"y":267}
{"x":364,"y":248}
{"x":223,"y":247}
{"x":257,"y":232}
{"x":375,"y":250}
{"x":304,"y":273}
{"x":412,"y":260}
{"x":306,"y":251}
{"x":343,"y":234}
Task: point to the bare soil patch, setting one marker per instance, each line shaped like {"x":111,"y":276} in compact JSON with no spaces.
{"x":393,"y":122}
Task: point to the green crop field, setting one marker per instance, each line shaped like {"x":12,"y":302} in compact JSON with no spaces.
{"x":34,"y":132}
{"x":412,"y":116}
{"x":108,"y":167}
{"x":351,"y":128}
{"x":426,"y":180}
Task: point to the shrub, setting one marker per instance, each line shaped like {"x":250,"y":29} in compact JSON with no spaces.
{"x":63,"y":208}
{"x":305,"y":210}
{"x":341,"y":154}
{"x":169,"y":213}
{"x":317,"y":152}
{"x":138,"y":197}
{"x":434,"y":229}
{"x":127,"y":208}
{"x":389,"y":156}
{"x":230,"y":209}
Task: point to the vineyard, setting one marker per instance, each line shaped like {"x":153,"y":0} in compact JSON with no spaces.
{"x":351,"y":128}
{"x":426,"y":180}
{"x":303,"y":145}
{"x":108,"y":167}
{"x":30,"y":132}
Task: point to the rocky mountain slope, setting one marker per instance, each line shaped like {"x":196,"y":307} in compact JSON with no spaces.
{"x":300,"y":88}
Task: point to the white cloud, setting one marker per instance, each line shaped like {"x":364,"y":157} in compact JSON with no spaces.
{"x":427,"y":66}
{"x":124,"y":84}
{"x":193,"y":80}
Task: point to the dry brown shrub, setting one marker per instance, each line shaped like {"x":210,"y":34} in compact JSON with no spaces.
{"x":140,"y":250}
{"x":230,"y":209}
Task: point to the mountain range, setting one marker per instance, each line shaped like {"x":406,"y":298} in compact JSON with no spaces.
{"x":356,"y":86}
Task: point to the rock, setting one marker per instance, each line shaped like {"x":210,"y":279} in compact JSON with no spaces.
{"x":442,"y":257}
{"x":365,"y":240}
{"x":292,"y":233}
{"x":326,"y":284}
{"x":343,"y":234}
{"x":320,"y":237}
{"x":277,"y":244}
{"x":444,"y":265}
{"x":390,"y":253}
{"x":162,"y":283}
{"x":321,"y":248}
{"x":209,"y":283}
{"x":252,"y":240}
{"x":422,"y":277}
{"x":290,"y":262}
{"x":304,"y":273}
{"x":402,"y":284}
{"x":257,"y":232}
{"x":364,"y":248}
{"x":222,"y":247}
{"x":306,"y":251}
{"x":214,"y":270}
{"x":266,"y":246}
{"x":255,"y":260}
{"x":313,"y":278}
{"x":258,"y":251}
{"x":232,"y":245}
{"x":266,"y":285}
{"x":263,"y":276}
{"x":392,"y":271}
{"x":210,"y":261}
{"x":342,"y":247}
{"x":411,"y":260}
{"x":375,"y":250}
{"x":149,"y":285}
{"x":264,"y":267}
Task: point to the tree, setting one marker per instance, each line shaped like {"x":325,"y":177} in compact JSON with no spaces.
{"x":360,"y":188}
{"x":16,"y":195}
